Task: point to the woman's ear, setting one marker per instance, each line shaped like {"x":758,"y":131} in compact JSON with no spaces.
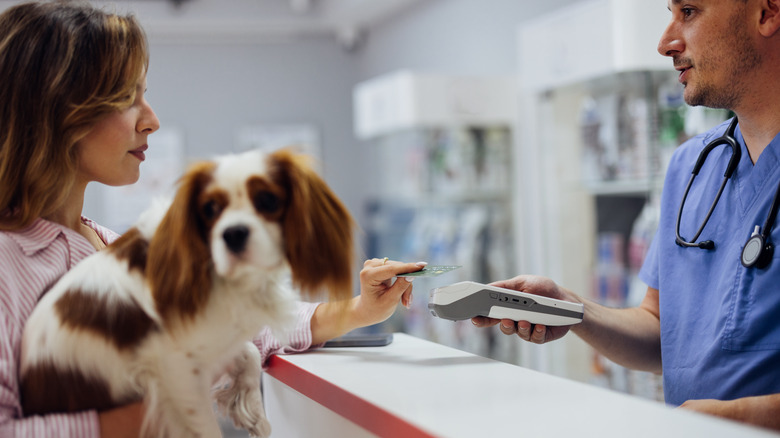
{"x":178,"y":267}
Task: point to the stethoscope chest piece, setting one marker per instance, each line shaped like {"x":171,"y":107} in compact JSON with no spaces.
{"x":756,"y":252}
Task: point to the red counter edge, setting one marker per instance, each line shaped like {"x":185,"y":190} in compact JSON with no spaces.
{"x":355,"y":409}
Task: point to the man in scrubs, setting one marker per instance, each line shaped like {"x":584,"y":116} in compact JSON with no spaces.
{"x":708,"y":323}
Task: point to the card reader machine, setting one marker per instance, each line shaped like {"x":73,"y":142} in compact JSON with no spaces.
{"x":468,"y":299}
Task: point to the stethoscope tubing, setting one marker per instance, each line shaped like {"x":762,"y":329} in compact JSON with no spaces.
{"x":726,"y":139}
{"x":707,"y":244}
{"x":772,"y":214}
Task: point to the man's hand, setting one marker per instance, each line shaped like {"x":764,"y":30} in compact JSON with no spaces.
{"x":536,"y":333}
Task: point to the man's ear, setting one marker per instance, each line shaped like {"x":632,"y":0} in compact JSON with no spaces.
{"x":770,"y":17}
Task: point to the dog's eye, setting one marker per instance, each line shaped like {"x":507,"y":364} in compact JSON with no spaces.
{"x":211,"y":210}
{"x":266,"y":202}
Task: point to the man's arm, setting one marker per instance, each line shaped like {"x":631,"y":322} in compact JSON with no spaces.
{"x":630,"y":337}
{"x":763,"y":411}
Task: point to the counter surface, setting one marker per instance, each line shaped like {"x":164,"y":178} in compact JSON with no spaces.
{"x":417,"y":388}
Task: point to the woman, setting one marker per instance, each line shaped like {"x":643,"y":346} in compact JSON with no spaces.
{"x":73,"y":111}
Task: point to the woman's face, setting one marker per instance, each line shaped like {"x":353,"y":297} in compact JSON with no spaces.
{"x":112,"y":152}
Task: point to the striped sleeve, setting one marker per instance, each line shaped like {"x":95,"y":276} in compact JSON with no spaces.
{"x":299,"y":339}
{"x":28,"y":264}
{"x":81,"y":425}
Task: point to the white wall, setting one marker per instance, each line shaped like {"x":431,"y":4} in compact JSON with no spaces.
{"x":458,"y":37}
{"x":209,"y":91}
{"x":469,"y":37}
{"x":210,"y":87}
{"x":212,"y":90}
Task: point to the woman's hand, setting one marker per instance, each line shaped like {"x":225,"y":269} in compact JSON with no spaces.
{"x":124,"y":421}
{"x":379,"y":294}
{"x":378,"y":299}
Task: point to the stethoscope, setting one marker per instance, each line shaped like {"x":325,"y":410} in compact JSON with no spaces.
{"x":758,"y":249}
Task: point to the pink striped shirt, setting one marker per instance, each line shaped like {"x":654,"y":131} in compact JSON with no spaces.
{"x":31,"y":260}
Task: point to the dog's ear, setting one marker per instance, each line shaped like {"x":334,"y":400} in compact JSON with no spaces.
{"x":317,"y":228}
{"x":179,"y":263}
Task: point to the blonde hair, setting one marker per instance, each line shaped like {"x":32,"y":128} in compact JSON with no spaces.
{"x":63,"y":65}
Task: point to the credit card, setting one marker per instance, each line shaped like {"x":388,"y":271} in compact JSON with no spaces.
{"x":430,"y":271}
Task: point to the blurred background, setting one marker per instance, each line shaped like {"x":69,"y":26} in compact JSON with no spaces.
{"x":506,"y":136}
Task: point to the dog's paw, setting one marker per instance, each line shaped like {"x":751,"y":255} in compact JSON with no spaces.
{"x":245,"y":407}
{"x":261,"y":429}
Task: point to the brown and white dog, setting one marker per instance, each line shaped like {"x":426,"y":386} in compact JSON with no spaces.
{"x":162,"y":312}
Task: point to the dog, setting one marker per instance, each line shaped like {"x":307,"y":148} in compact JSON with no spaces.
{"x":161,"y":313}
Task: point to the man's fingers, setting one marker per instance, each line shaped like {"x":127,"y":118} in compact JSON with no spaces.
{"x":483,"y":321}
{"x":508,"y":327}
{"x":538,"y":334}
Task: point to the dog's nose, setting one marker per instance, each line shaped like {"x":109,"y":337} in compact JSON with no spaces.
{"x":236,"y":237}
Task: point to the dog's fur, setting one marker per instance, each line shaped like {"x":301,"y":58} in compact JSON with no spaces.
{"x":162,"y":312}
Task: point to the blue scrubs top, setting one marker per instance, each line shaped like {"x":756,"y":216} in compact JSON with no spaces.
{"x":720,"y":321}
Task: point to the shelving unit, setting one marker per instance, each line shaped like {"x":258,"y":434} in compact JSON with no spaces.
{"x":583,"y":124}
{"x":580,"y":164}
{"x":592,"y":159}
{"x":446,"y":199}
{"x":443,"y":149}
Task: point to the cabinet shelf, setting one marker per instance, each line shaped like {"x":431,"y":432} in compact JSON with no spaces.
{"x":422,"y":200}
{"x":633,"y":187}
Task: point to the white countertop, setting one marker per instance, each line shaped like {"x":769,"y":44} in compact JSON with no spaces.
{"x":422,"y":389}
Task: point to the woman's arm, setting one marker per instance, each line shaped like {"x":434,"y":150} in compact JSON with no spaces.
{"x":378,"y":299}
{"x":80,"y":424}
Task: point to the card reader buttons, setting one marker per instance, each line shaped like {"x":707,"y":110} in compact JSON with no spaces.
{"x":514,"y":301}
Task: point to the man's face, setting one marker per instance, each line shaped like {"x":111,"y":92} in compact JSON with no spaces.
{"x":711,"y":48}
